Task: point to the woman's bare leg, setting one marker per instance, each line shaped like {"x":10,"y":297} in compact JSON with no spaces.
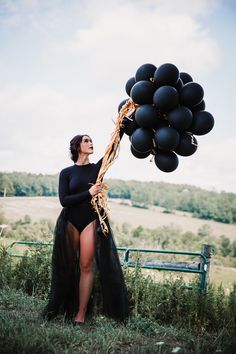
{"x":72,"y":243}
{"x":87,"y":250}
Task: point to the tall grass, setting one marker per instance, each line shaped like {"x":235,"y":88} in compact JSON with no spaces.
{"x":169,"y":302}
{"x":166,"y":302}
{"x":22,"y":331}
{"x":165,"y":315}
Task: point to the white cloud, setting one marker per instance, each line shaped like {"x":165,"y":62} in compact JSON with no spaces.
{"x":191,"y":8}
{"x":37,"y":124}
{"x":119,"y":41}
{"x":122,"y":34}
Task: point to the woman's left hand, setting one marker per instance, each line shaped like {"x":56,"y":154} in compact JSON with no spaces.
{"x":96,"y":188}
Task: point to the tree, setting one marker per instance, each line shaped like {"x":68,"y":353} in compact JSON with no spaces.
{"x":225,"y":246}
{"x":138,"y":231}
{"x":6,"y":185}
{"x":233,"y":249}
{"x":141,"y":199}
{"x":204,"y":230}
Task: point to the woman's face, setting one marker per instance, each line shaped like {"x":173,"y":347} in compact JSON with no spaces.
{"x":86,"y":145}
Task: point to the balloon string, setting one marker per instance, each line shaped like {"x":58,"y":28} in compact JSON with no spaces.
{"x":99,"y":201}
{"x":193,"y":142}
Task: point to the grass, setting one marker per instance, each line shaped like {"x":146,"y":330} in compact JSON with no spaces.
{"x":23,"y":331}
{"x":223,"y":275}
{"x":164,"y":316}
{"x":219,"y":275}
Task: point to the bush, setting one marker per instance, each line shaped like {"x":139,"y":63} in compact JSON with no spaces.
{"x":25,"y":230}
{"x":167,"y":302}
{"x":31,"y":273}
{"x":5,"y":268}
{"x":170,"y":302}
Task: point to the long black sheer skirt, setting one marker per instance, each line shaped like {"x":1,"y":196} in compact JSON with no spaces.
{"x":65,"y":275}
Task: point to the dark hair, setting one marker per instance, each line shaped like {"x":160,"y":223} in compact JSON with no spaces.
{"x":75,"y":146}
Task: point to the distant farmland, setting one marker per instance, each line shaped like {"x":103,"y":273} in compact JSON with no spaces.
{"x":38,"y":208}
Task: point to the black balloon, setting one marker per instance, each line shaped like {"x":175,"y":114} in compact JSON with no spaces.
{"x":167,"y":138}
{"x":166,"y":161}
{"x":142,"y":92}
{"x":166,"y":98}
{"x":131,"y":126}
{"x":166,"y":74}
{"x":147,"y":116}
{"x":179,"y":84}
{"x":170,"y":110}
{"x":139,"y":154}
{"x":185,"y":77}
{"x":202,"y":123}
{"x":122,"y":104}
{"x":161,"y":123}
{"x":191,"y":94}
{"x":187,"y":145}
{"x":145,"y":72}
{"x":180,"y":118}
{"x":142,"y":139}
{"x":199,"y":107}
{"x":129,"y":84}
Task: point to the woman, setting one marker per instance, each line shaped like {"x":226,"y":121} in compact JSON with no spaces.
{"x":79,"y":241}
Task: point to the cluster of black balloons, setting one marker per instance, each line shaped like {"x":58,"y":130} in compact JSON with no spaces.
{"x":170,"y":111}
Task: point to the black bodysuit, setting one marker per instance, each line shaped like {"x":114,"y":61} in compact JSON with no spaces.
{"x":74,"y":184}
{"x":77,"y":213}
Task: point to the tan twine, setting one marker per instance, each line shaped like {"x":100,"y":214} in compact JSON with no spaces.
{"x":99,"y":201}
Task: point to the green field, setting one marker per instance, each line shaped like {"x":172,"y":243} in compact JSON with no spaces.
{"x":38,"y":208}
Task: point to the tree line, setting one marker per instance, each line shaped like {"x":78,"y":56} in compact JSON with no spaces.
{"x":20,"y":184}
{"x":202,"y":203}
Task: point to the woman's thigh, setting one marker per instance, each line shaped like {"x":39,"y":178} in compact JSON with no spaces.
{"x":72,"y":239}
{"x":87,"y":244}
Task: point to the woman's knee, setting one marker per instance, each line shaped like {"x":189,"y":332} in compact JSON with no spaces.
{"x":86,"y":266}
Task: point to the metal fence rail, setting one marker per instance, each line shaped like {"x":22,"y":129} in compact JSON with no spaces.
{"x":201,"y":267}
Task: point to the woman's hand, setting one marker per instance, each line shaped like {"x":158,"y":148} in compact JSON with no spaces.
{"x":95,"y":189}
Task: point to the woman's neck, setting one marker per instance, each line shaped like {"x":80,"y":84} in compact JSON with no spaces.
{"x":82,"y":160}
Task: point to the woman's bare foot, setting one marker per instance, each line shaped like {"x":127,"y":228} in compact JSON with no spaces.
{"x":79,"y":318}
{"x":75,"y":323}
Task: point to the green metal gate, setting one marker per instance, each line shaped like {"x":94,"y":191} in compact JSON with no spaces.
{"x":202,"y":267}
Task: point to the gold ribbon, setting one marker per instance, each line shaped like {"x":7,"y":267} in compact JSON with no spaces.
{"x":99,"y":201}
{"x":193,"y":140}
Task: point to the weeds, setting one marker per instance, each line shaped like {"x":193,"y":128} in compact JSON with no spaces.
{"x":161,"y":312}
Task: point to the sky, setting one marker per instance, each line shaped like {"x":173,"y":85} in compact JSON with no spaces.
{"x":63,"y":69}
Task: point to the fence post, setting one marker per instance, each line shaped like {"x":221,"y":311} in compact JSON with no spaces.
{"x":205,"y":267}
{"x":126,"y":257}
